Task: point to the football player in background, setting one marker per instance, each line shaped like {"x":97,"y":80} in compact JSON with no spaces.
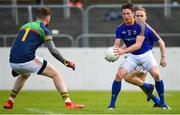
{"x":24,"y":62}
{"x":136,"y":35}
{"x":138,"y":76}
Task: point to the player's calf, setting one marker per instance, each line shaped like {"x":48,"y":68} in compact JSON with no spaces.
{"x":149,"y":92}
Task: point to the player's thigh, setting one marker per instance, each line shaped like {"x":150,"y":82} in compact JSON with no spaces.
{"x":136,"y":74}
{"x":142,"y":76}
{"x":22,"y":78}
{"x":149,"y":62}
{"x":50,"y":71}
{"x":132,"y":74}
{"x":129,"y":63}
{"x":34,"y":66}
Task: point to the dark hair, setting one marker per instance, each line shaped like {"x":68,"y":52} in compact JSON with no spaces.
{"x":128,"y":6}
{"x":44,"y":12}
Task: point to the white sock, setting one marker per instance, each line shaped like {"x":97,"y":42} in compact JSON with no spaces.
{"x":12,"y":99}
{"x":67,"y":100}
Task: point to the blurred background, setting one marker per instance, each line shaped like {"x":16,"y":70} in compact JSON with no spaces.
{"x":82,"y":30}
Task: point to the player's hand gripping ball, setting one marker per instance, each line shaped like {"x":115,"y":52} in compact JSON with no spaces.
{"x":110,"y":55}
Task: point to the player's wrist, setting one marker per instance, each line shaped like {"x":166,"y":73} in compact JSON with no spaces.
{"x":124,"y":51}
{"x":66,"y":62}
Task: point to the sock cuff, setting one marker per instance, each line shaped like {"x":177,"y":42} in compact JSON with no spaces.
{"x":117,"y":81}
{"x":65,"y":95}
{"x":159,"y":81}
{"x":13,"y":93}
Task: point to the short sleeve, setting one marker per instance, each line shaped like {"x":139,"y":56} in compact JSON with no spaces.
{"x":47,"y":32}
{"x":153,"y":34}
{"x":118,"y":33}
{"x":48,"y":35}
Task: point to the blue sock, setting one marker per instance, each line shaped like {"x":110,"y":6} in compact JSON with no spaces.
{"x":160,"y":90}
{"x":116,"y":87}
{"x":146,"y":86}
{"x":155,"y":99}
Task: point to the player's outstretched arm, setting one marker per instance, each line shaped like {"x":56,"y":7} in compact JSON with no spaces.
{"x":53,"y":50}
{"x":161,"y":46}
{"x":163,"y":50}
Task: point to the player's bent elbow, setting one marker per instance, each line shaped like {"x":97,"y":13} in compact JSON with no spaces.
{"x":137,"y":46}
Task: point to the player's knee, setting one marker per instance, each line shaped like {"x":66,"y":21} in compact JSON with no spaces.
{"x":121,"y":73}
{"x":127,"y":78}
{"x":50,"y":73}
{"x":119,"y":76}
{"x":156,"y":76}
{"x":155,"y":73}
{"x":54,"y":74}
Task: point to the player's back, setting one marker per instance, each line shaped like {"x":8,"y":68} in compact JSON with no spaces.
{"x":29,"y":38}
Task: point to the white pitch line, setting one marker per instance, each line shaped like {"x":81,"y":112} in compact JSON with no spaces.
{"x":35,"y":110}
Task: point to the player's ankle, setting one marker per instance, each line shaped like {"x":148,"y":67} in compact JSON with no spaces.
{"x":11,"y":99}
{"x":67,"y":100}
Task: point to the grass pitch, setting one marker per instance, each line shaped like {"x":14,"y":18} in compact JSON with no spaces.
{"x":50,"y":102}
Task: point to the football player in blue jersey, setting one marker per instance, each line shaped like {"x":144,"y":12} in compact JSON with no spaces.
{"x":138,"y":76}
{"x":138,"y":38}
{"x":24,"y":62}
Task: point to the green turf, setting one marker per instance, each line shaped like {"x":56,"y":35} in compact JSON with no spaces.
{"x":49,"y":102}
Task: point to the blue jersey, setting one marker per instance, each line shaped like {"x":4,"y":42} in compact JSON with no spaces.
{"x":129,"y":33}
{"x":152,"y":35}
{"x":29,"y":38}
